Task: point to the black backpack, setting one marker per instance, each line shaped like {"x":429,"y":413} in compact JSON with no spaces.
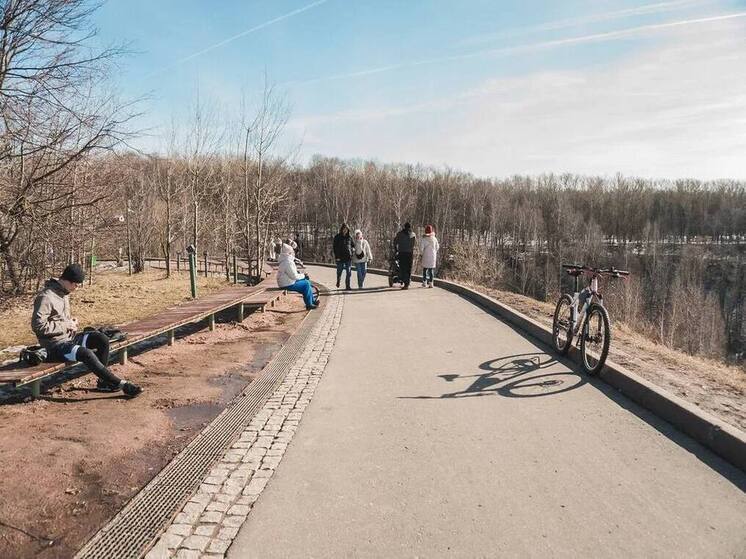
{"x":33,"y":355}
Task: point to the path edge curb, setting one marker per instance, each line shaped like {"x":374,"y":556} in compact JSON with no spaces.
{"x":725,"y":440}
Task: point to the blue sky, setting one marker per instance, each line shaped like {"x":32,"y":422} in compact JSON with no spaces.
{"x":655,"y":89}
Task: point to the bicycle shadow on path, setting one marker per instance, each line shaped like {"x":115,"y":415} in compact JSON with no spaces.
{"x":521,"y":376}
{"x":512,"y":376}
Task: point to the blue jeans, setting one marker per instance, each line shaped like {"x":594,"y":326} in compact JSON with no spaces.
{"x":362,"y":269}
{"x":344,"y":265}
{"x":303,"y":286}
{"x":428,"y":275}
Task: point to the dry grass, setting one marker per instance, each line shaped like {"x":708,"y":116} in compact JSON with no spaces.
{"x":114,"y":298}
{"x":710,"y":384}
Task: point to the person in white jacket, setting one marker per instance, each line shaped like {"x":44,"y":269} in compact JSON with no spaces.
{"x":289,"y":278}
{"x":361,"y":257}
{"x":429,"y":247}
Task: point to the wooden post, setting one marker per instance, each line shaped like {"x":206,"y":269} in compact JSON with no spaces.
{"x":212,"y":322}
{"x":207,"y":265}
{"x":235,"y":268}
{"x":178,"y":262}
{"x":240,"y":312}
{"x":171,"y":337}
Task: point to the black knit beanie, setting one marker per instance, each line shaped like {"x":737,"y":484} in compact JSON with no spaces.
{"x":73,"y":273}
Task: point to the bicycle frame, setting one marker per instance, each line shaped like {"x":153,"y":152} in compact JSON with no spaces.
{"x":591,"y":295}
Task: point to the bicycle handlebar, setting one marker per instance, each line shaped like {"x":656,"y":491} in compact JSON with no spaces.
{"x":609,"y":272}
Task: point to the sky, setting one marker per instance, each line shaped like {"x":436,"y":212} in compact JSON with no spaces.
{"x":649,"y":89}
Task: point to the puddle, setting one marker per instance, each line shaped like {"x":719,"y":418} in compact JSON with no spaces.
{"x":194,"y":415}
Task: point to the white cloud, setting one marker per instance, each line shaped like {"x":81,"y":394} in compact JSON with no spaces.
{"x":675,"y":111}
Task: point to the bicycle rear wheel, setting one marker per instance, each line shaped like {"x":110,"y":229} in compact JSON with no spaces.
{"x":562,"y":325}
{"x":595,"y":339}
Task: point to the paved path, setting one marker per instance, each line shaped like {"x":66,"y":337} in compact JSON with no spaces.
{"x":437,"y":430}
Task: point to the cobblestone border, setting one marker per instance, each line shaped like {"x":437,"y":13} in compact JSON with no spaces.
{"x":208,"y":523}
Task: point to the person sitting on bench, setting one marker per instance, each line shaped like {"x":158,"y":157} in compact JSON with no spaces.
{"x":289,"y":278}
{"x":57,"y":332}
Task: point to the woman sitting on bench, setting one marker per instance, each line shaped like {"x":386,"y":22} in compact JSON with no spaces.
{"x":57,"y":332}
{"x":289,"y":278}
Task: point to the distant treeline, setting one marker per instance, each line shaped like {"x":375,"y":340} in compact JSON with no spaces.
{"x":683,"y":240}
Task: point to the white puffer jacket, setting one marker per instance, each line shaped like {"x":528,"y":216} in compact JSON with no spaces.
{"x":429,"y":247}
{"x":287,"y":273}
{"x":362,"y":246}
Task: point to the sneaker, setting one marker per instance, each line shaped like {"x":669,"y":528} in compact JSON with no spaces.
{"x":103,"y":386}
{"x":130,"y":389}
{"x":405,"y":286}
{"x":424,"y":284}
{"x":337,"y":284}
{"x":431,"y":285}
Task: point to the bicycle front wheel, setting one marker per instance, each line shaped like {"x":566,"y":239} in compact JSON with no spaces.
{"x":562,"y":325}
{"x":595,"y":339}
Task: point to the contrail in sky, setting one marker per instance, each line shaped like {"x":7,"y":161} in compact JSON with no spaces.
{"x":242,"y":34}
{"x":610,"y":35}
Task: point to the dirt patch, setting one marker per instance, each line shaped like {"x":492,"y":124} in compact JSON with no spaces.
{"x":73,"y":458}
{"x":711,"y":385}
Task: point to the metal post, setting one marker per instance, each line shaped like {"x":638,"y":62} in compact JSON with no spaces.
{"x":178,"y":262}
{"x":240,"y":312}
{"x":35,"y":388}
{"x":207,"y":265}
{"x":235,"y":269}
{"x":193,"y":274}
{"x":171,"y":337}
{"x":211,"y":322}
{"x":123,"y":356}
{"x":129,"y":241}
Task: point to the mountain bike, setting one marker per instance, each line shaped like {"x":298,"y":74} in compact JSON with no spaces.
{"x":584,"y":312}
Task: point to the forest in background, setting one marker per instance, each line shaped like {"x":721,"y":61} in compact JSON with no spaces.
{"x":683,"y":241}
{"x":72,"y":189}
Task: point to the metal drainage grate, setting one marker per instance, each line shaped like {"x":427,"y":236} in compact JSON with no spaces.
{"x":143,"y":519}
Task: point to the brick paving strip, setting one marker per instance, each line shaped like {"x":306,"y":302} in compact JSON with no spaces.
{"x":207,"y":524}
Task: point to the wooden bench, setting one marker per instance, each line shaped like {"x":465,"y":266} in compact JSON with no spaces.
{"x":166,"y":322}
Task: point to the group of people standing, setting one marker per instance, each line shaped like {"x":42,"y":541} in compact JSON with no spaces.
{"x":349,"y":251}
{"x":356,"y":251}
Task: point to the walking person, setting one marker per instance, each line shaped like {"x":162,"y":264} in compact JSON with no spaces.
{"x":289,"y":278}
{"x":57,"y":332}
{"x":361,"y":257}
{"x":429,"y":247}
{"x":343,"y":249}
{"x":404,"y":246}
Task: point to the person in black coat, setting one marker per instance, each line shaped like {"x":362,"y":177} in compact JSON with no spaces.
{"x":343,"y":249}
{"x":404,"y":244}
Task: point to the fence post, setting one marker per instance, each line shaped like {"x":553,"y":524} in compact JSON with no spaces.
{"x":207,"y":265}
{"x":235,"y":268}
{"x":193,"y":271}
{"x":178,"y":261}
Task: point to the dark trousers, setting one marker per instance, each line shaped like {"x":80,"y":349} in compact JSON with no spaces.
{"x":344,"y":265}
{"x":405,"y":267}
{"x":90,"y":348}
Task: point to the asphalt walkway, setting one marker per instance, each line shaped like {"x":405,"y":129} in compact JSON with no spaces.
{"x":439,"y":431}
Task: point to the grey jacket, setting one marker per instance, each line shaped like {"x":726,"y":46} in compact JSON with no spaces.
{"x":51,"y":321}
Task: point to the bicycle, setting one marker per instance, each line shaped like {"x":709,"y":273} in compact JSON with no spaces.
{"x":584,"y":308}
